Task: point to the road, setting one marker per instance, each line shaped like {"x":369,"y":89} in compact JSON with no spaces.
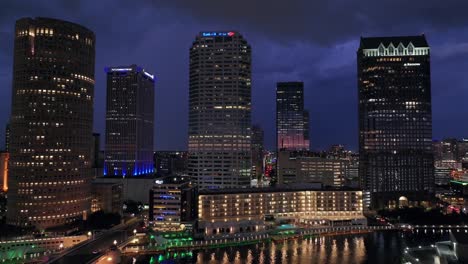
{"x":84,"y":253}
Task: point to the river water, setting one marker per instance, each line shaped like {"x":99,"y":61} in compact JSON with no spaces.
{"x":377,"y":247}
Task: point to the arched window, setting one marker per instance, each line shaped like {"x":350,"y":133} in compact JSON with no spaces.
{"x":391,"y":49}
{"x":400,"y":49}
{"x":410,"y":48}
{"x":381,"y":49}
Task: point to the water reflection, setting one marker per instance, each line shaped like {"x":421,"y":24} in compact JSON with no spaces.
{"x":379,"y":247}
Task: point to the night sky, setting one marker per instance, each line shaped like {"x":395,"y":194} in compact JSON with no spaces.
{"x":291,"y":40}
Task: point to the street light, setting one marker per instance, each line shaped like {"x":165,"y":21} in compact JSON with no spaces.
{"x":134,"y":232}
{"x":115,"y":242}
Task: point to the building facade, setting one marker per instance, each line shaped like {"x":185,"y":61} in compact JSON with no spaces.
{"x":171,"y":163}
{"x":257,"y":152}
{"x":172,"y":203}
{"x":4,"y":158}
{"x":395,"y":118}
{"x":7,"y":137}
{"x":220,"y":110}
{"x":51,"y":123}
{"x":231,"y":211}
{"x":12,"y":250}
{"x":107,"y":197}
{"x":296,"y":167}
{"x":129,"y":121}
{"x":134,"y":188}
{"x":292,"y":121}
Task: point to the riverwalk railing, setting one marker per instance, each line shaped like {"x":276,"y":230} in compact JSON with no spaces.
{"x":251,"y":239}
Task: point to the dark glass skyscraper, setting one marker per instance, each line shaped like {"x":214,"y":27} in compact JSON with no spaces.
{"x":129,"y":121}
{"x":395,"y":120}
{"x":220,"y":110}
{"x":257,"y":152}
{"x":292,"y":121}
{"x":51,"y":123}
{"x":7,"y":137}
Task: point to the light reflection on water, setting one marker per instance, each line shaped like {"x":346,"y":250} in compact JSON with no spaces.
{"x":378,"y":247}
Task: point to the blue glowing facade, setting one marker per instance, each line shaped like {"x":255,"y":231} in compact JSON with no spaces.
{"x":129,"y":122}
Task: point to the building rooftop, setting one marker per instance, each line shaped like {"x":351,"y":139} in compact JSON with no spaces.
{"x":286,"y":188}
{"x":374,"y":42}
{"x":172,"y":180}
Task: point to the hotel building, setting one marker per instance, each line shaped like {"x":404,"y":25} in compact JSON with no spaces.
{"x":229,"y":211}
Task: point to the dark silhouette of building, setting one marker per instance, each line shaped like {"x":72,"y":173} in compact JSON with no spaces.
{"x":107,"y":197}
{"x":395,"y":120}
{"x":257,"y":152}
{"x":129,"y":121}
{"x":7,"y":137}
{"x":171,"y":163}
{"x":51,"y":123}
{"x":220,"y":110}
{"x":292,"y":121}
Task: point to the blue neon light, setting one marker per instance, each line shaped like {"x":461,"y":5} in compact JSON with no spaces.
{"x":151,"y":76}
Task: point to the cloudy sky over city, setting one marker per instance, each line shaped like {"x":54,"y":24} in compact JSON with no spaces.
{"x":310,"y":41}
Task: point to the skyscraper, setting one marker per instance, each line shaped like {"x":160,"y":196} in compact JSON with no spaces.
{"x":7,"y":137}
{"x":395,"y":120}
{"x":220,"y":110}
{"x":292,"y":121}
{"x":257,"y":152}
{"x":51,"y":123}
{"x":129,"y":121}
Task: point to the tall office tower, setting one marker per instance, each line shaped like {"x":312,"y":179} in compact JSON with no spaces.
{"x":51,"y":123}
{"x":129,"y":121}
{"x":395,"y":120}
{"x":257,"y":152}
{"x":220,"y":110}
{"x":7,"y":137}
{"x":95,"y":150}
{"x":292,"y":121}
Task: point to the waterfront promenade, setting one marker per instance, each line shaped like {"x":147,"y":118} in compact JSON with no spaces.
{"x":246,"y":239}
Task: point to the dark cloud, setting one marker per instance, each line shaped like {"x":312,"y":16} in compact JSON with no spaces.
{"x":326,"y":22}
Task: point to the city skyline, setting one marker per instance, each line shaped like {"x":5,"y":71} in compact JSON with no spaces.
{"x":323,"y":59}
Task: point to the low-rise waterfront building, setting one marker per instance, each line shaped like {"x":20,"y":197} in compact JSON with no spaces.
{"x":25,"y":249}
{"x":230,"y":211}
